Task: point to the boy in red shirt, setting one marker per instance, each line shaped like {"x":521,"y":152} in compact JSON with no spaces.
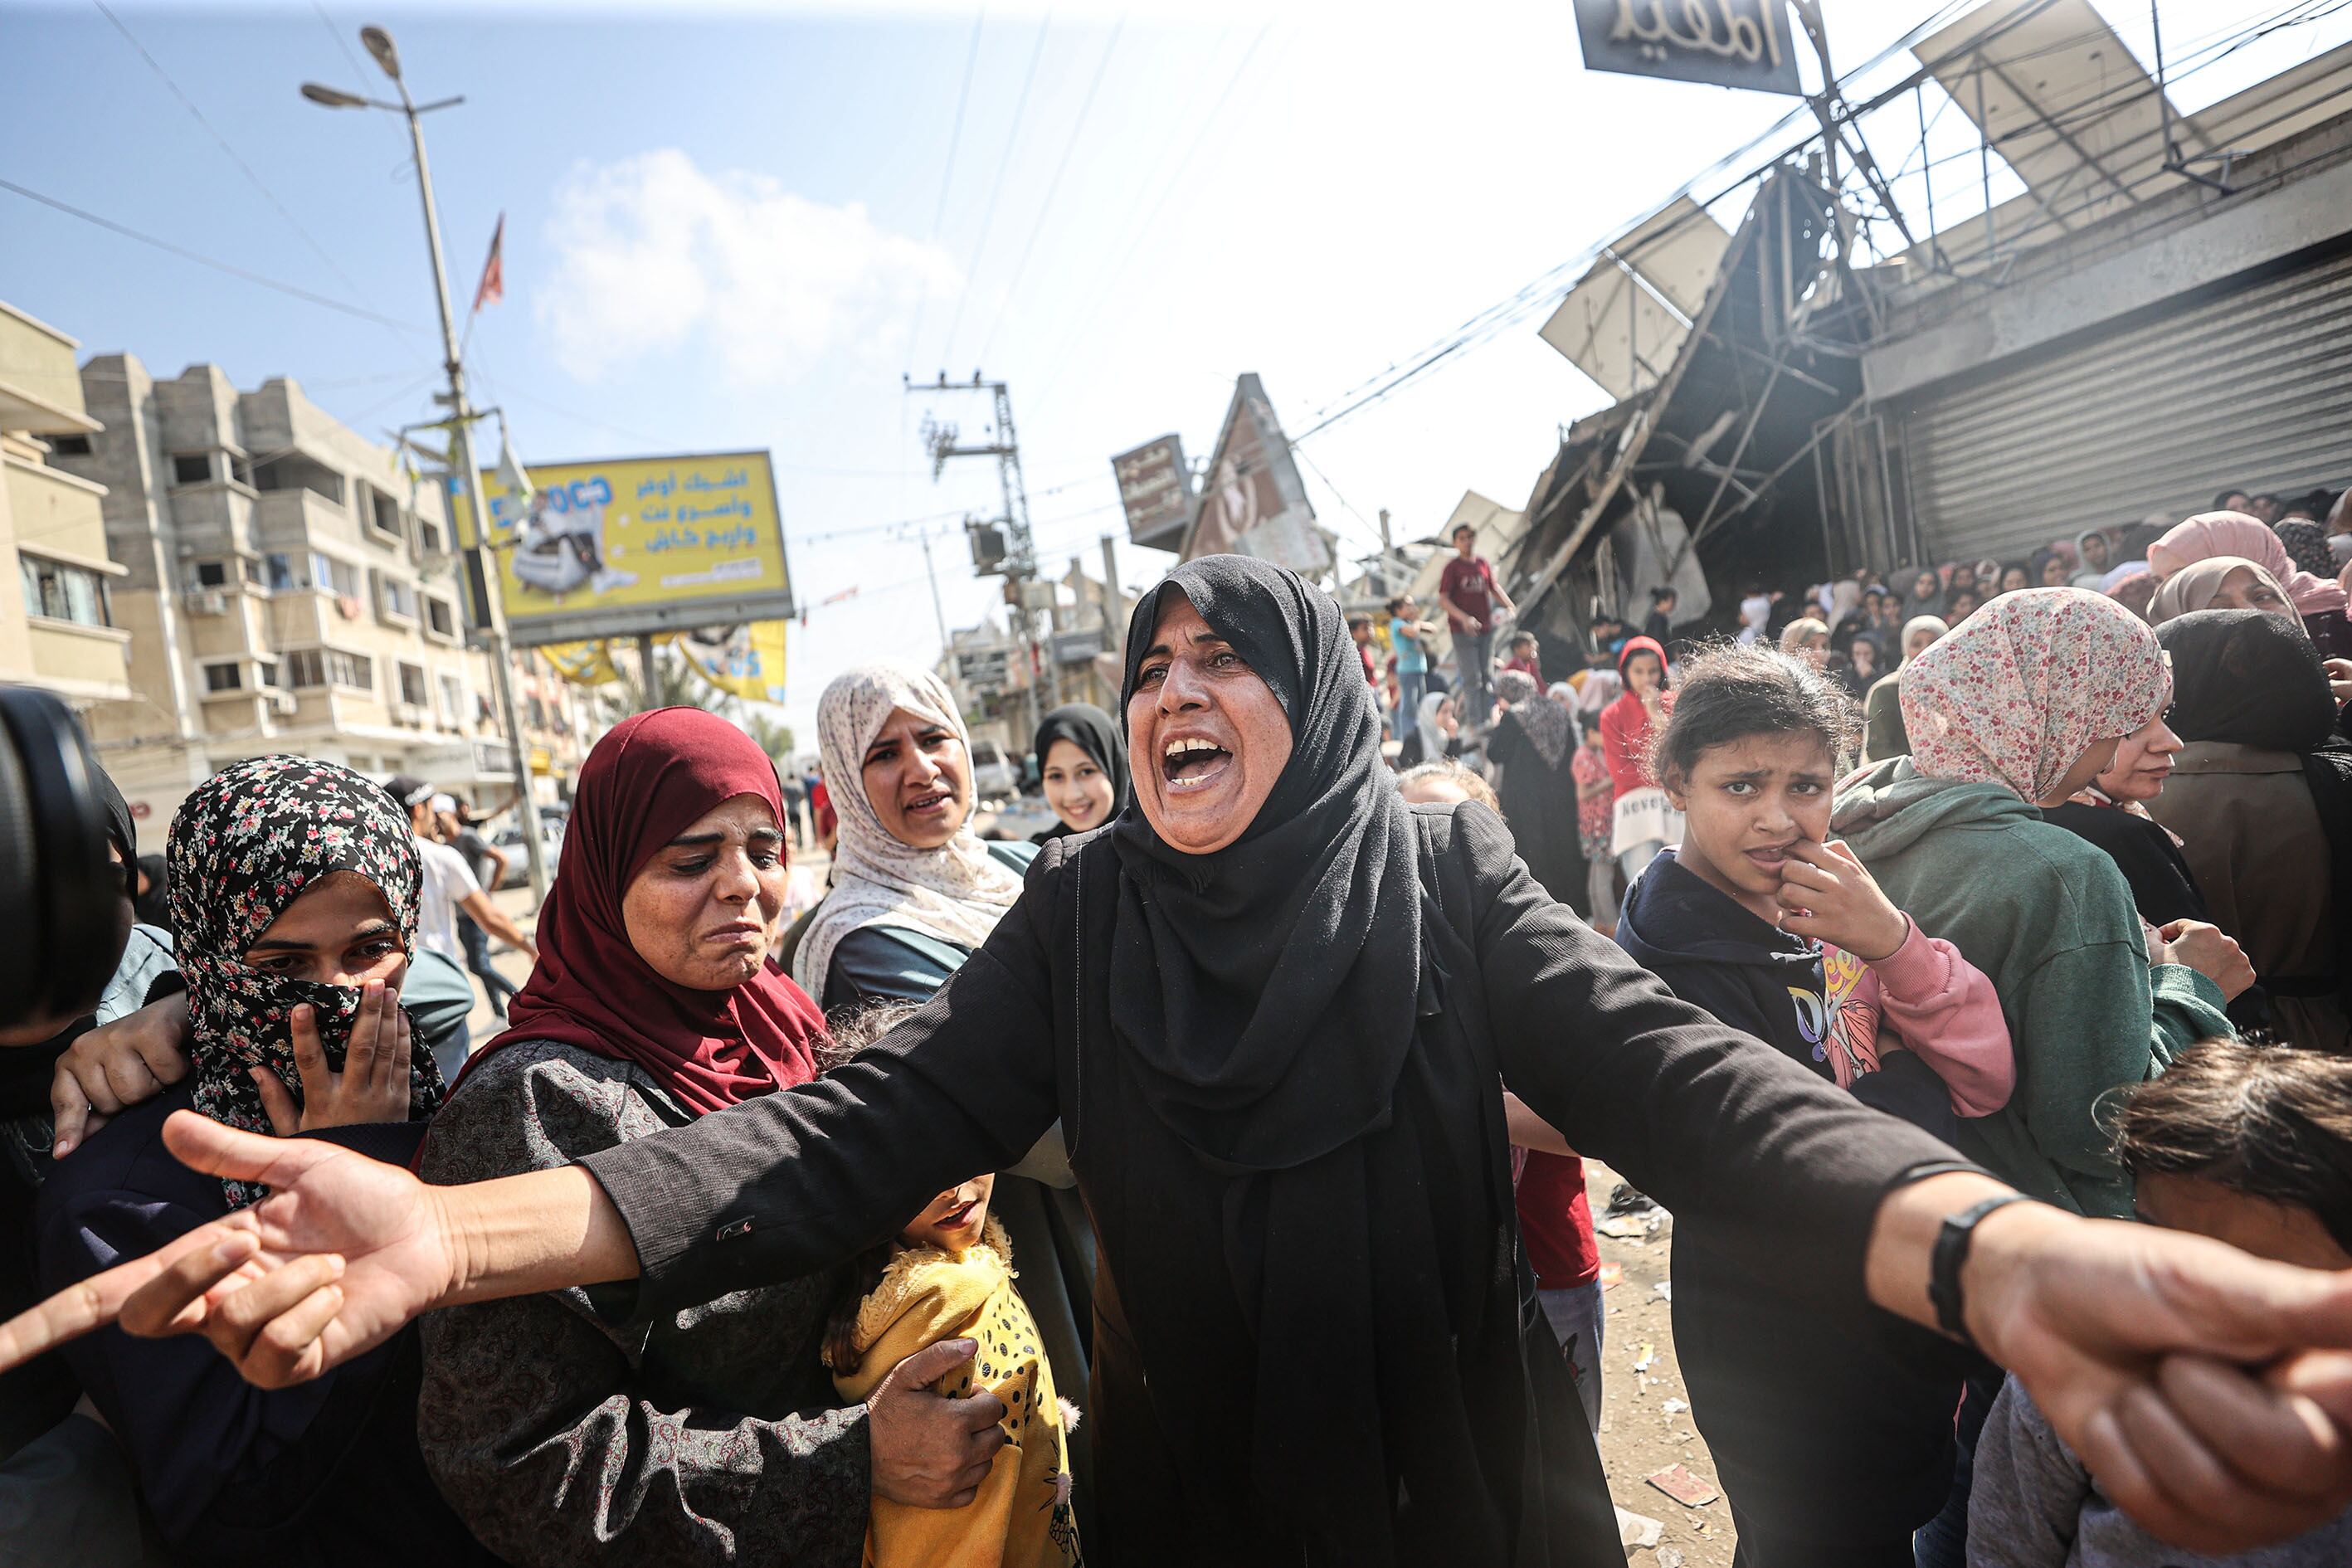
{"x":1472,"y":597}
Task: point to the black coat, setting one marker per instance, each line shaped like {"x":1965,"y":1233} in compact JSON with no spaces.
{"x":1710,"y":1122}
{"x":1538,"y":801}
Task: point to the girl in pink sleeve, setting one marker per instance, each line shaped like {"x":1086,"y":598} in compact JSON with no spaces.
{"x":1832,"y":1449}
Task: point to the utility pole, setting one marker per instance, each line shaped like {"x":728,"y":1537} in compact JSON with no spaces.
{"x":461,"y":437}
{"x":1018,"y":565}
{"x":939,"y":613}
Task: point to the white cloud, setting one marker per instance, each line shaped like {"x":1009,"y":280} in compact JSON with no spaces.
{"x":653,"y":255}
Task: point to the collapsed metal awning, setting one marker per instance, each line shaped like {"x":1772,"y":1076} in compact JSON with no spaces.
{"x":1767,"y":368}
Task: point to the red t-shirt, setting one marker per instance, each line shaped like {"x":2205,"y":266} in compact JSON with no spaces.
{"x":1531,"y":666}
{"x":1371,"y":670}
{"x":1556,"y":1219}
{"x":1469,"y":584}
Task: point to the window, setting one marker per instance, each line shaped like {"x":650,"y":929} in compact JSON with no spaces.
{"x":355,"y":671}
{"x":58,"y":592}
{"x":306,"y":669}
{"x":269,"y":673}
{"x":251,"y":568}
{"x":453,"y":702}
{"x":70,"y":445}
{"x":441,"y":619}
{"x":380,"y":511}
{"x":278,"y":570}
{"x":190,"y":468}
{"x":211,"y":573}
{"x":224,"y":677}
{"x":412,"y":685}
{"x":241,"y":469}
{"x":428,"y":535}
{"x":294,"y":471}
{"x":395,"y":597}
{"x":339,"y":578}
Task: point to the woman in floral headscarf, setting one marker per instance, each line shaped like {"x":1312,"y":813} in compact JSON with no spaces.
{"x":2319,"y":601}
{"x":2017,"y":708}
{"x":294,"y":893}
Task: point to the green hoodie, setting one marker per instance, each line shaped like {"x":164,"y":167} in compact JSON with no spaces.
{"x":2050,"y":919}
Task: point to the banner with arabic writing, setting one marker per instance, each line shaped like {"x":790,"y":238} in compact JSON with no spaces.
{"x":1726,"y":43}
{"x":634,"y":545}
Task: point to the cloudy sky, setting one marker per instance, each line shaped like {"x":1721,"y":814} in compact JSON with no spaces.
{"x":739,"y":226}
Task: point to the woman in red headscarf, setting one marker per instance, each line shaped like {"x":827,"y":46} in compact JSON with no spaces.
{"x":563,"y":1427}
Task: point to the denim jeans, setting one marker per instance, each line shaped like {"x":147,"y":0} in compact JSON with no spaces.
{"x":477,"y":958}
{"x":1636,"y":860}
{"x":1412,"y":684}
{"x":1474,"y":670}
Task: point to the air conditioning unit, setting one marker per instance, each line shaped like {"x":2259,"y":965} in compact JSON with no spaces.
{"x":208,"y":602}
{"x":282,"y":703}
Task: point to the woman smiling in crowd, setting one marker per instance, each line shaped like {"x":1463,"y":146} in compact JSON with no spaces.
{"x":1083,"y":768}
{"x":1274,"y":1007}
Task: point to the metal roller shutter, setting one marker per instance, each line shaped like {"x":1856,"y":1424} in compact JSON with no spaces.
{"x":2252,"y":387}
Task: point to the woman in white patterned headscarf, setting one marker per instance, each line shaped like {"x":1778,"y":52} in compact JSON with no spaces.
{"x":914,"y":889}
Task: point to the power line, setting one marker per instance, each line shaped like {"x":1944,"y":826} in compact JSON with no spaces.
{"x":947,"y":176}
{"x":1110,"y":279}
{"x":243,"y":167}
{"x":988,"y":219}
{"x":233,"y":270}
{"x":1077,"y":130}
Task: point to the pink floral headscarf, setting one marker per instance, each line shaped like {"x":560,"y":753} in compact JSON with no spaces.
{"x":2234,"y":533}
{"x":2021,"y":689}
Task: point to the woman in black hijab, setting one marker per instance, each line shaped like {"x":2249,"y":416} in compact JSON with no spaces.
{"x":2262,"y":798}
{"x":1274,"y":1009}
{"x":1085,"y":778}
{"x":1533,"y":742}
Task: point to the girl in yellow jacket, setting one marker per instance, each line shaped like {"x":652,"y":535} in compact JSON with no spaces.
{"x":949,"y":1275}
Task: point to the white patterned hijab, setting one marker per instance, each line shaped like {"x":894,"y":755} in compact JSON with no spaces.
{"x":957,"y":892}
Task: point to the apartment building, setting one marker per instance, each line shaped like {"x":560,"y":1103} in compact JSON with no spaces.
{"x":285,"y":586}
{"x":59,"y":632}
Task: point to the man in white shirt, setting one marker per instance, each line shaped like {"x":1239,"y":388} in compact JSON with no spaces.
{"x":449,"y":888}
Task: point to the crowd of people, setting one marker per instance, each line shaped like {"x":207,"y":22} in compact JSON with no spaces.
{"x":1203,"y":1180}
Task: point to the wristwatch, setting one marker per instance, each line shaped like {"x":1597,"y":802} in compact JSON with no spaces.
{"x":1951,"y":1251}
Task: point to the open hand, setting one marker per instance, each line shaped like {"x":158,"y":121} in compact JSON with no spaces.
{"x":932,"y":1449}
{"x":373,"y":1085}
{"x":115,"y":1066}
{"x":1826,"y":894}
{"x":343,"y":1251}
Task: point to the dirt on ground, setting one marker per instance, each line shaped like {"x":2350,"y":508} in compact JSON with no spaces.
{"x":1645,"y":1422}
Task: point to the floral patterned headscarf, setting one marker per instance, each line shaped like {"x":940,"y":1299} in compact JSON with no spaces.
{"x":2021,"y":688}
{"x":956,"y":892}
{"x":246,"y":844}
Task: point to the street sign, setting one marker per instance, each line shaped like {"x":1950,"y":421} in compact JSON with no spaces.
{"x":1156,"y":488}
{"x":983,"y":670}
{"x":1726,"y":43}
{"x":1078,"y":646}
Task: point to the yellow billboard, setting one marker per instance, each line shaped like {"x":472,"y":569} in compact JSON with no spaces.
{"x":632,"y":545}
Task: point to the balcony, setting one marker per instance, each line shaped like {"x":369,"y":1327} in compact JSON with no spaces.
{"x":81,"y":664}
{"x":295,"y":520}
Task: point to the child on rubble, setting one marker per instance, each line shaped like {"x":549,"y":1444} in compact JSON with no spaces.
{"x":2248,"y":1144}
{"x":949,"y":1275}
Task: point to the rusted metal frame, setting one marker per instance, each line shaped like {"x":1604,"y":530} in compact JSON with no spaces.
{"x":1733,"y":346}
{"x":1770,"y":479}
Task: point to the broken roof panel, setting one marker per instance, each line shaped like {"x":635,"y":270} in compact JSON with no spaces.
{"x":1624,"y":332}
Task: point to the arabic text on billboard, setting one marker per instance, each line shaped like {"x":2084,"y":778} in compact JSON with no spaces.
{"x":1726,"y":43}
{"x":1156,"y":488}
{"x":638,"y":544}
{"x":1252,"y":502}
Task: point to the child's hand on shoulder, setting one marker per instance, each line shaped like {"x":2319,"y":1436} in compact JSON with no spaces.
{"x":1826,"y":894}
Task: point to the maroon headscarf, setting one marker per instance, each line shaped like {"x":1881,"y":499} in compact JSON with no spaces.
{"x":647,"y":781}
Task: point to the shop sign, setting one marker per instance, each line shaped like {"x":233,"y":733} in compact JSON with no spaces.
{"x":1726,"y":43}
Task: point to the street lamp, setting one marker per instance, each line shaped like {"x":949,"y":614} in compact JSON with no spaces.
{"x":461,"y":423}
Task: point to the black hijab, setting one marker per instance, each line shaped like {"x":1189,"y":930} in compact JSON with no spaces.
{"x":2248,"y":677}
{"x":1095,"y":733}
{"x":2256,"y":679}
{"x":1267,"y":989}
